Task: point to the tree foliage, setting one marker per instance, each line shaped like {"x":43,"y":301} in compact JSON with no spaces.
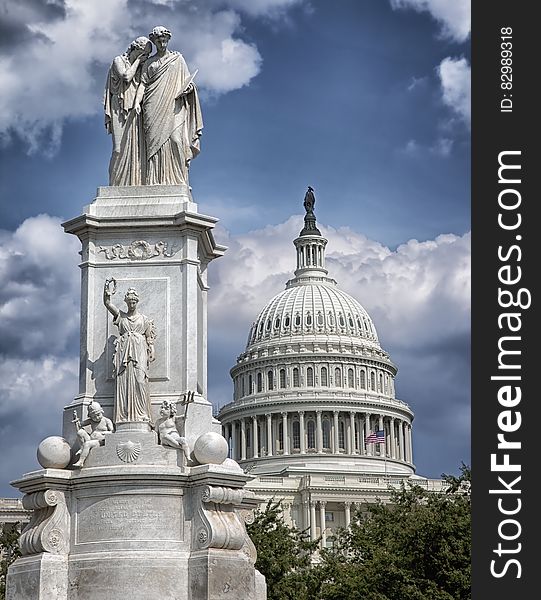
{"x":415,"y":547}
{"x":284,"y":556}
{"x":9,"y":551}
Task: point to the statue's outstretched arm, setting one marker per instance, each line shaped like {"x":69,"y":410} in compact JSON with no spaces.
{"x":107,"y":293}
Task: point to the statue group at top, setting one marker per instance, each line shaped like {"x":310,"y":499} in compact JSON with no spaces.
{"x":152,"y":112}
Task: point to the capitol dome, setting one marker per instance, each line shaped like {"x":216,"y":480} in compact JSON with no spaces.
{"x":314,"y":413}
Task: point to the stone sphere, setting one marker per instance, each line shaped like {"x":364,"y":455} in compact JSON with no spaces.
{"x":54,"y":453}
{"x":210,"y":448}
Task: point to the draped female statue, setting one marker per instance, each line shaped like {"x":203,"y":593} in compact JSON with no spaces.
{"x":123,"y":119}
{"x":134,"y":351}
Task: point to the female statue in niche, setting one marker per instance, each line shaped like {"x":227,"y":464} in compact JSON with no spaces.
{"x":123,"y":117}
{"x":134,"y":351}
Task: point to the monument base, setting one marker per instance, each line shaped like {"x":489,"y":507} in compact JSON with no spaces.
{"x":136,"y":530}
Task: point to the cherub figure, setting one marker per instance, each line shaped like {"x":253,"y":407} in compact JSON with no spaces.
{"x":167,"y":429}
{"x":99,"y":427}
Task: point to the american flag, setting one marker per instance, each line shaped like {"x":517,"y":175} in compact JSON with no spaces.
{"x":376,"y":438}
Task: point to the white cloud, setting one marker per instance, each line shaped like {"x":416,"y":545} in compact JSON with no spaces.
{"x":455,"y":78}
{"x":454,"y":16}
{"x":39,"y":289}
{"x":57,"y":71}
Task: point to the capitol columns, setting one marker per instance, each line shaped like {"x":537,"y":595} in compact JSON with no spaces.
{"x":369,"y":447}
{"x":322,"y":522}
{"x":347,"y":511}
{"x":393,"y":442}
{"x":336,"y":445}
{"x":319,"y":432}
{"x":234,"y":437}
{"x":269,"y":434}
{"x":312,"y":520}
{"x":243,"y":438}
{"x":285,"y":437}
{"x":351,"y":444}
{"x":255,"y":440}
{"x":302,"y":432}
{"x":401,"y":454}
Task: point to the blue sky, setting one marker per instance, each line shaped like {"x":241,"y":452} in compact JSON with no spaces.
{"x":367,"y":101}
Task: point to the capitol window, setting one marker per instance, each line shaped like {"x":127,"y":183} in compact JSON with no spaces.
{"x":351,"y":381}
{"x":270,"y":380}
{"x":326,"y":430}
{"x":372,"y":381}
{"x":320,"y":320}
{"x":282,"y":378}
{"x":324,"y":377}
{"x":297,"y":319}
{"x":309,"y":376}
{"x":337,"y":377}
{"x":311,"y":435}
{"x":296,"y":377}
{"x":296,"y":435}
{"x":363,"y":379}
{"x":259,"y":382}
{"x":341,"y":435}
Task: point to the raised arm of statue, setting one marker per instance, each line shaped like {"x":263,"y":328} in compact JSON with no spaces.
{"x":108,"y":290}
{"x":126,"y":71}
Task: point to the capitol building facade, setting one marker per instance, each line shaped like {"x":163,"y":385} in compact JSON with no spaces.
{"x":311,"y":386}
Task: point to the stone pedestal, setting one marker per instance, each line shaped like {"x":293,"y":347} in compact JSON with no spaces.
{"x":154,"y":239}
{"x":139,"y":520}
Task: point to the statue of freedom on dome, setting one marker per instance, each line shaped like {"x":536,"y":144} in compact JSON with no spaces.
{"x":165,"y":98}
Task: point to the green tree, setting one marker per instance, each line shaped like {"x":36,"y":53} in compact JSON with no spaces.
{"x":9,"y":551}
{"x":417,"y":547}
{"x":284,"y":556}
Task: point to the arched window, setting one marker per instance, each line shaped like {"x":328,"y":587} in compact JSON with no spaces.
{"x":380,"y":386}
{"x":309,"y":319}
{"x":341,"y":435}
{"x":268,"y":325}
{"x":243,"y":392}
{"x":314,"y":259}
{"x":351,"y":381}
{"x":309,"y":377}
{"x":296,"y":382}
{"x":296,"y":435}
{"x":326,"y":427}
{"x":250,"y":385}
{"x":350,"y":321}
{"x":311,"y":435}
{"x":277,"y":323}
{"x":324,"y":376}
{"x":331,"y":319}
{"x":337,"y":377}
{"x":372,"y":381}
{"x":270,"y":381}
{"x":259,"y":382}
{"x":282,"y":378}
{"x":363,"y":380}
{"x":341,"y":320}
{"x":287,"y":321}
{"x":320,"y":320}
{"x":297,"y":319}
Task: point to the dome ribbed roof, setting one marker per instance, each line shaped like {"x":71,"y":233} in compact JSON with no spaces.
{"x":313,"y":308}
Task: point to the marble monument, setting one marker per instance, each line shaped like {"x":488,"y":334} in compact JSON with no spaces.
{"x":138,"y":499}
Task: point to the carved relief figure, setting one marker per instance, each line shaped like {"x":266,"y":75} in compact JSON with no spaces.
{"x":99,"y":427}
{"x":172,"y":117}
{"x":134,"y":351}
{"x":123,"y":119}
{"x":167,"y":429}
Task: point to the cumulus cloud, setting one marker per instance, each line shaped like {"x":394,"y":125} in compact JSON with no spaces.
{"x":39,"y":331}
{"x":53,"y":68}
{"x":453,"y":17}
{"x":455,"y":78}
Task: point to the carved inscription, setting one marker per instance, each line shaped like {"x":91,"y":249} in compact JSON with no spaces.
{"x":129,"y":517}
